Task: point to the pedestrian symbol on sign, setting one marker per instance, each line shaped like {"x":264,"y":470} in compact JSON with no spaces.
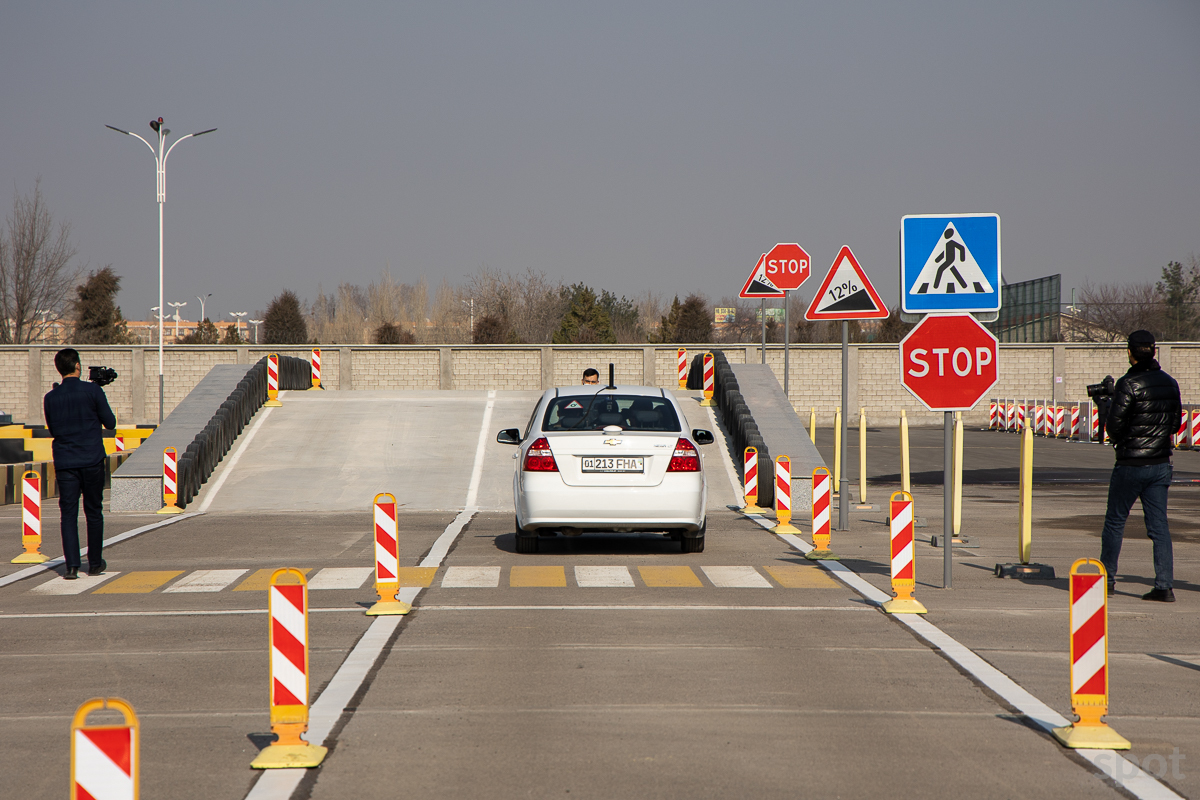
{"x":951,"y":269}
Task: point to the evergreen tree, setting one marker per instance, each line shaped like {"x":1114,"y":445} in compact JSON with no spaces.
{"x":695,"y":322}
{"x":390,"y":333}
{"x":666,"y":327}
{"x":284,"y":321}
{"x":206,"y":333}
{"x":585,"y":321}
{"x":893,"y":329}
{"x":491,"y":329}
{"x":232,"y":335}
{"x":98,"y":319}
{"x":1179,"y":289}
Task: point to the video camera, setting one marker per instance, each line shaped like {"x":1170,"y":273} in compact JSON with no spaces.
{"x":102,"y":376}
{"x":1102,"y":395}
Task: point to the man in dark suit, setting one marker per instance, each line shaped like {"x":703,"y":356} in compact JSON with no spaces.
{"x":76,"y":414}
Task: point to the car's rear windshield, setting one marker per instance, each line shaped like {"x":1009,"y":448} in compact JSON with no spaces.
{"x":629,"y":412}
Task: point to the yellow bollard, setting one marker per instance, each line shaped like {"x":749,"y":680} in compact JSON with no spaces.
{"x":812,"y":424}
{"x":958,"y":472}
{"x":273,"y":382}
{"x":387,"y":559}
{"x":1089,"y":661}
{"x":1025,"y":506}
{"x":170,"y":486}
{"x":837,"y":451}
{"x":783,"y":496}
{"x":862,"y":456}
{"x":750,"y":481}
{"x":316,"y":369}
{"x":904,"y":578}
{"x":905,"y":475}
{"x":709,"y":381}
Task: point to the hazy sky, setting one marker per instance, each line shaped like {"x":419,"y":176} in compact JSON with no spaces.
{"x":633,"y":146}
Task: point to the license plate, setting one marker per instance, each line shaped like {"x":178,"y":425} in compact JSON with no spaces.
{"x":613,"y":464}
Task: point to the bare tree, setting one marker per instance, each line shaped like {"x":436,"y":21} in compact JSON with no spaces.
{"x":528,"y":304}
{"x":36,"y":278}
{"x":1107,"y":312}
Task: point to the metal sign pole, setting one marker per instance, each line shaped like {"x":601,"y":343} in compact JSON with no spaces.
{"x":786,"y":336}
{"x":763,"y":350}
{"x":947,"y":502}
{"x":844,"y":483}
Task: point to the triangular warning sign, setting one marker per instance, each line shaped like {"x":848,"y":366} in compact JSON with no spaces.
{"x":846,"y":293}
{"x":758,"y":284}
{"x":951,"y":269}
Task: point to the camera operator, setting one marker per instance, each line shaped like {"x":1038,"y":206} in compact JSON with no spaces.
{"x":1142,"y":418}
{"x":76,"y":413}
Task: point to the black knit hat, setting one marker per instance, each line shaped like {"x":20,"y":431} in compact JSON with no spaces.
{"x":1141,"y":339}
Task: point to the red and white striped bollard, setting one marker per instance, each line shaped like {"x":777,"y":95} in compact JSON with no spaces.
{"x":821,"y":517}
{"x":1021,"y":416}
{"x":710,"y":381}
{"x":904,"y":579}
{"x":750,"y":481}
{"x":170,"y":483}
{"x":1060,"y":420}
{"x":105,"y":759}
{"x":1074,"y":423}
{"x":992,"y":415}
{"x":681,"y":356}
{"x":1039,"y":420}
{"x":1194,"y":439}
{"x":387,"y":559}
{"x":31,"y":519}
{"x":1089,"y":661}
{"x":783,"y":496}
{"x":273,"y":381}
{"x":316,"y":369}
{"x":287,"y":607}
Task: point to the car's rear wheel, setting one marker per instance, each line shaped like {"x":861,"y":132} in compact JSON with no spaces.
{"x":694,"y":544}
{"x":526,"y":544}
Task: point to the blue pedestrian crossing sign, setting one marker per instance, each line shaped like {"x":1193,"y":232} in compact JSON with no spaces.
{"x":949,"y":263}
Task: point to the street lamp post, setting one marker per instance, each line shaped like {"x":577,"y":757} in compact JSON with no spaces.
{"x":255,"y":323}
{"x":237,"y":320}
{"x":160,"y":161}
{"x":176,"y":306}
{"x":202,"y":299}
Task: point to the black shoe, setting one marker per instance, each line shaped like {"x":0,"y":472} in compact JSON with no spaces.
{"x":71,"y":574}
{"x":97,"y":569}
{"x":1160,"y":595}
{"x":1112,"y":588}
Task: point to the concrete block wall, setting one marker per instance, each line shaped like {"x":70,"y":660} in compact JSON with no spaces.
{"x":1026,"y":371}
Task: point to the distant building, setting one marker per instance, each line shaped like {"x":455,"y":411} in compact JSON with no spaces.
{"x":1030,"y":311}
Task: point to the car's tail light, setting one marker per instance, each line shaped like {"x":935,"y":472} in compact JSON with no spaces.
{"x":538,"y":457}
{"x":685,"y":458}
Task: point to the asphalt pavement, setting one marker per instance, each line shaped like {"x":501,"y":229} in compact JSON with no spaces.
{"x":602,"y":666}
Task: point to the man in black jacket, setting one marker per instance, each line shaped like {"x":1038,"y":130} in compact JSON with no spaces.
{"x":76,"y":413}
{"x":1143,"y":417}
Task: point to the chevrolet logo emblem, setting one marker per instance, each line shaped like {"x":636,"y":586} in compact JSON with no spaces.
{"x":612,"y":441}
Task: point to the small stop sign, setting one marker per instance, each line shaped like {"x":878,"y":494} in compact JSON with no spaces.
{"x":948,"y":362}
{"x":787,"y":265}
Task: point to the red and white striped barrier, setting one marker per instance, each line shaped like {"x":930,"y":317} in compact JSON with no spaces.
{"x":904,"y":579}
{"x":119,"y":444}
{"x":783,"y":496}
{"x":682,"y":368}
{"x":31,"y":519}
{"x":316,"y":368}
{"x":1095,"y":424}
{"x":1039,"y":420}
{"x":387,"y":559}
{"x":710,"y":380}
{"x":750,"y":480}
{"x":1089,"y":660}
{"x":1010,"y":416}
{"x":170,"y":483}
{"x":1195,"y":434}
{"x":1060,"y":419}
{"x":992,"y":415}
{"x":1021,"y":416}
{"x":1181,"y":434}
{"x":287,"y":606}
{"x":273,"y":381}
{"x":105,"y":759}
{"x":821,"y":528}
{"x":1074,"y":423}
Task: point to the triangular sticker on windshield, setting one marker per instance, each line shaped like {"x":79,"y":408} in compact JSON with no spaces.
{"x":573,"y":404}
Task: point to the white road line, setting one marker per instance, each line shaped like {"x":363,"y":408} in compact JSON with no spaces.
{"x":181,"y":613}
{"x":603,"y":577}
{"x":216,"y":487}
{"x":55,"y":562}
{"x":78,"y":586}
{"x":619,"y":607}
{"x":736,"y":578}
{"x":471,"y":578}
{"x":339,"y":578}
{"x":279,"y":784}
{"x":206,"y":580}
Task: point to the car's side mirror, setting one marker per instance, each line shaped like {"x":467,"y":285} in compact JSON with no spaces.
{"x":509,"y":436}
{"x":702,"y":436}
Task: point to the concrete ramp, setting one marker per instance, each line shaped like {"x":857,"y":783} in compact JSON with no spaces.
{"x":781,"y":429}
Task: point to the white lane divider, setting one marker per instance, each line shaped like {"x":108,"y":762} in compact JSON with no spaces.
{"x":327,"y":709}
{"x":1116,"y":767}
{"x":216,"y":487}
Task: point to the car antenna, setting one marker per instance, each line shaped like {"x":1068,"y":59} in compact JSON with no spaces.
{"x":611,"y":383}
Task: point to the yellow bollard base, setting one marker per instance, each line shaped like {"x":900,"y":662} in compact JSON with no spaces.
{"x":272,"y":404}
{"x":753,"y":509}
{"x":385,"y":608}
{"x":821,"y":555}
{"x":289,"y":756}
{"x":1091,"y":737}
{"x":904,"y":605}
{"x":170,"y":510}
{"x":785,"y":527}
{"x":30,"y":558}
{"x":708,"y":403}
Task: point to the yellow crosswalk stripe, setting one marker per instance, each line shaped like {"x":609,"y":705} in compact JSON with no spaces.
{"x":140,"y":582}
{"x":416,"y":576}
{"x":795,"y":577}
{"x":260,"y":579}
{"x":546,"y":577}
{"x":669,"y":577}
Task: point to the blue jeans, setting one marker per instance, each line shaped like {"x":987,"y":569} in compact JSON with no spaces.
{"x":1150,"y":483}
{"x":88,"y":481}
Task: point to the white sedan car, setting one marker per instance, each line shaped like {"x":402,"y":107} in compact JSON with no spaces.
{"x":611,"y":458}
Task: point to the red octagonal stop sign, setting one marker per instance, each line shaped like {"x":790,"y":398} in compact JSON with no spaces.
{"x":948,"y":362}
{"x":787,"y":266}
